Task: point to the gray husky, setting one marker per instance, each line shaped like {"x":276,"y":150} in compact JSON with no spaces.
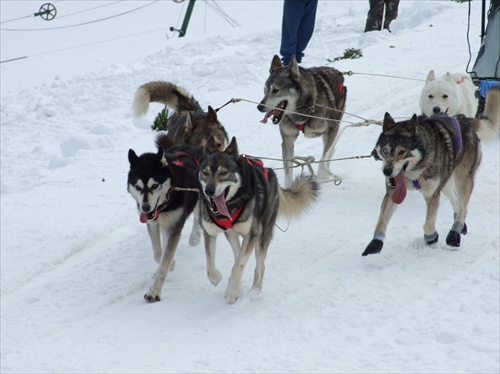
{"x":240,"y":197}
{"x":189,"y":123}
{"x":316,"y":91}
{"x":433,"y":154}
{"x":165,"y":188}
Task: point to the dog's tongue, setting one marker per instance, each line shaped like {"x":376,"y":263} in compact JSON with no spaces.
{"x":269,"y":114}
{"x":143,"y":218}
{"x":220,"y":203}
{"x":400,"y":192}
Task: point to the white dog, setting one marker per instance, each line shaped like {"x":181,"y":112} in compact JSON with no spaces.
{"x":452,"y":94}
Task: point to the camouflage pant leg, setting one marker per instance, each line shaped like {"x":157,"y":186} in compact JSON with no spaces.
{"x":391,"y":12}
{"x":376,"y":14}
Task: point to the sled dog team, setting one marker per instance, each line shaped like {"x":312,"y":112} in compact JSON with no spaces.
{"x":198,"y":170}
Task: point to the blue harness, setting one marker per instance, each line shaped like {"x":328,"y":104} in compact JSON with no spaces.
{"x":458,"y":138}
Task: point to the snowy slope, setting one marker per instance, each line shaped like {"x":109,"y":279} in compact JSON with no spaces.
{"x":76,"y":261}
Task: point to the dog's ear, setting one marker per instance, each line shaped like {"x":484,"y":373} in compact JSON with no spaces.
{"x":448,"y":76}
{"x":375,"y":155}
{"x":211,"y":115}
{"x":160,"y":155}
{"x":389,"y":123}
{"x":411,"y":125}
{"x":294,"y":69}
{"x":232,"y":148}
{"x":210,"y":146}
{"x":189,"y":125}
{"x":275,"y":64}
{"x":132,"y":157}
{"x":430,"y":77}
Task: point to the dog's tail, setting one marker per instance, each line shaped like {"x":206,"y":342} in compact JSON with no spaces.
{"x":297,"y":199}
{"x":166,"y":93}
{"x":164,"y":141}
{"x":488,"y":126}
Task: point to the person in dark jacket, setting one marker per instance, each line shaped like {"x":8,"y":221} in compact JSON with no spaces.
{"x":375,"y":19}
{"x":297,"y":28}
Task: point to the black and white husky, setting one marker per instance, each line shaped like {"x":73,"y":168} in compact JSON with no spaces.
{"x":165,"y":187}
{"x":240,"y":197}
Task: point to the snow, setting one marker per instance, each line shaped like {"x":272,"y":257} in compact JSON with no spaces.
{"x":76,"y":261}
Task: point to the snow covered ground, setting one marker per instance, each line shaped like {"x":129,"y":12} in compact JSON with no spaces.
{"x":76,"y":261}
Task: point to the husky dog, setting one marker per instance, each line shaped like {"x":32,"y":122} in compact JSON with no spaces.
{"x":240,"y":197}
{"x":155,"y":181}
{"x":451,"y":94}
{"x":189,"y":124}
{"x":433,"y":154}
{"x":316,"y":91}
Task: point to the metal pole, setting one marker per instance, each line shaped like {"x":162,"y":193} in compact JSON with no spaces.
{"x":483,"y":22}
{"x":185,"y":23}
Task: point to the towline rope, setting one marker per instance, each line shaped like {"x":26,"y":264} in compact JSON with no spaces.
{"x":365,"y":122}
{"x":350,"y":73}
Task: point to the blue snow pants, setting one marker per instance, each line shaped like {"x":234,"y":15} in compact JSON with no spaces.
{"x":297,"y":28}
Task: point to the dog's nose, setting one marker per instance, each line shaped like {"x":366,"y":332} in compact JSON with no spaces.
{"x":436,"y":109}
{"x":387,"y":172}
{"x":261,"y":108}
{"x":209,"y":191}
{"x":146,"y":208}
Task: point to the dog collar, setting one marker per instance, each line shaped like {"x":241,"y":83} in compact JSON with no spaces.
{"x":416,"y":182}
{"x":223,"y":222}
{"x":163,"y":206}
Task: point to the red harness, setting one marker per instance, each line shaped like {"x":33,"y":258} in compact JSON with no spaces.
{"x":301,"y":125}
{"x":225,"y":223}
{"x":178,"y":162}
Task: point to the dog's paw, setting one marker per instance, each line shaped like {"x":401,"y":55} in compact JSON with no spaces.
{"x":453,"y":239}
{"x":255,"y":291}
{"x":374,"y":247}
{"x":214,"y":277}
{"x":231,"y":294}
{"x":431,"y":239}
{"x":152,"y":297}
{"x":328,"y":176}
{"x":194,"y":238}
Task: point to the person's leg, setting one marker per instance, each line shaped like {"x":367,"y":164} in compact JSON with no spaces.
{"x":375,"y":15}
{"x":391,"y":12}
{"x":292,"y":14}
{"x":306,"y":27}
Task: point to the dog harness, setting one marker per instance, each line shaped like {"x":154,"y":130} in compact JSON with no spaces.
{"x":225,"y":223}
{"x":178,"y":162}
{"x":416,"y":182}
{"x":456,"y":129}
{"x":301,"y":125}
{"x":163,"y":206}
{"x":458,"y":137}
